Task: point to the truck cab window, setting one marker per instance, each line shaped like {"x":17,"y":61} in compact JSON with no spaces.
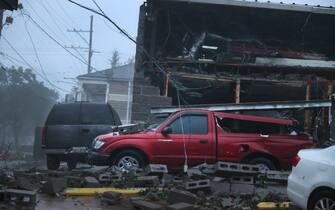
{"x":181,"y":125}
{"x":190,"y":124}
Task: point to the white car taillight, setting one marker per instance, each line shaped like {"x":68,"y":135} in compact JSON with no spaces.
{"x":295,"y":161}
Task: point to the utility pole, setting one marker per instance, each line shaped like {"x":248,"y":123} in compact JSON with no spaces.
{"x":1,"y":21}
{"x":90,"y":50}
{"x":90,"y":53}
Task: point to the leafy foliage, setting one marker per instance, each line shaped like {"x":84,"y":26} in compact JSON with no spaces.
{"x":24,"y":103}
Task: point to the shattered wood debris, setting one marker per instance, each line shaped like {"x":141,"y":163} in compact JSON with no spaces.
{"x":223,"y":185}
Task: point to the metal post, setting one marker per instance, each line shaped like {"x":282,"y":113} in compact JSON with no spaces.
{"x":90,"y":46}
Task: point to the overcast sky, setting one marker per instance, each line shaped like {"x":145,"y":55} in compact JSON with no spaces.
{"x":56,"y":16}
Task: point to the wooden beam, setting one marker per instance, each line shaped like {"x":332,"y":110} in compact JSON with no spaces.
{"x":166,"y":85}
{"x":307,"y":112}
{"x":238,"y":92}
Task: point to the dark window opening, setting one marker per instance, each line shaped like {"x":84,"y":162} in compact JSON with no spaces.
{"x":245,"y":126}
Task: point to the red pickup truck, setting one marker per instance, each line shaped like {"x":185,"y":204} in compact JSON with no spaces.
{"x":191,"y":137}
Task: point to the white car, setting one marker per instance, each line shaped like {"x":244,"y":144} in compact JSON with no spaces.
{"x":311,"y":185}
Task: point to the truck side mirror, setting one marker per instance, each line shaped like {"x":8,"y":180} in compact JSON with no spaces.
{"x":167,"y":130}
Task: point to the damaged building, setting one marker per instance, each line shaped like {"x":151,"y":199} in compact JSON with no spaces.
{"x":237,"y":52}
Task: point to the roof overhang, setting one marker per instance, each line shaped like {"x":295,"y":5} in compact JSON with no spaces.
{"x":264,"y":5}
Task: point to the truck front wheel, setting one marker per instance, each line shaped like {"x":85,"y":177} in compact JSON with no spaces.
{"x":53,"y":162}
{"x":127,"y":160}
{"x":264,"y":163}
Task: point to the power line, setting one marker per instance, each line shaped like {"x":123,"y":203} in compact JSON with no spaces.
{"x":59,"y":28}
{"x":32,"y":68}
{"x":57,"y":42}
{"x":34,"y":47}
{"x":154,"y":61}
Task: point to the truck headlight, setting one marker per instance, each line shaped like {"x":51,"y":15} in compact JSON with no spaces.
{"x":98,"y":144}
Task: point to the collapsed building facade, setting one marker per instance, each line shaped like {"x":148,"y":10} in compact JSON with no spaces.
{"x":228,"y":51}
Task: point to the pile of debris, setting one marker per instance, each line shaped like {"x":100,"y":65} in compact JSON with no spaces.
{"x":224,"y":185}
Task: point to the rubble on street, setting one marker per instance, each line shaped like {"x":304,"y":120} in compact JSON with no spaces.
{"x":223,"y":185}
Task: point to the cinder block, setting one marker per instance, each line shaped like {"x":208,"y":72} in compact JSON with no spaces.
{"x":146,"y":205}
{"x":229,"y":169}
{"x":220,"y":187}
{"x":156,"y":169}
{"x":26,"y":184}
{"x":277,"y":176}
{"x":150,"y":90}
{"x":180,"y":206}
{"x":242,"y":188}
{"x":108,"y":177}
{"x":20,"y":197}
{"x":91,"y":182}
{"x":180,"y":196}
{"x":111,"y":198}
{"x":54,"y":185}
{"x":147,"y":181}
{"x":242,"y":180}
{"x":203,"y":185}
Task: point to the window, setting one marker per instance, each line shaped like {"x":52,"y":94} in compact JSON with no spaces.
{"x":199,"y":124}
{"x":190,"y":124}
{"x":64,"y":114}
{"x":96,"y":114}
{"x":244,"y":126}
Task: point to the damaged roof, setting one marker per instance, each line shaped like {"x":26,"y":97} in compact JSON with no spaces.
{"x":265,"y":5}
{"x":123,"y":73}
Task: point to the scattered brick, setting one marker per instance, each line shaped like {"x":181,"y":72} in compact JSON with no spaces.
{"x":111,"y":198}
{"x":180,"y":196}
{"x":147,"y":181}
{"x":20,"y":197}
{"x":242,"y":180}
{"x":229,"y":169}
{"x":156,"y":169}
{"x":54,"y":185}
{"x":91,"y":182}
{"x":203,"y":185}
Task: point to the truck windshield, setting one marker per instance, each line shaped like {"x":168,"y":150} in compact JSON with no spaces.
{"x":155,"y":126}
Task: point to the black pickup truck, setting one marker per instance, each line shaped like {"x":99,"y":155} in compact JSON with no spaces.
{"x":70,"y":129}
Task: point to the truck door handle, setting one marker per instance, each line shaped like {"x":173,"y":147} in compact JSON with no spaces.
{"x":264,"y":136}
{"x":203,"y":141}
{"x":85,"y":130}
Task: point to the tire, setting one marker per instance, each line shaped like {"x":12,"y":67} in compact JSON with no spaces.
{"x":71,"y":164}
{"x":322,"y":196}
{"x":129,"y":160}
{"x":267,"y":164}
{"x":53,"y":162}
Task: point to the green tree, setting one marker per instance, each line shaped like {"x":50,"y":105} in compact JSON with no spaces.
{"x":24,"y":103}
{"x":115,"y":60}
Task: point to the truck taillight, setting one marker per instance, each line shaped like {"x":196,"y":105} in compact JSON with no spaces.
{"x":296,"y":160}
{"x":44,"y":135}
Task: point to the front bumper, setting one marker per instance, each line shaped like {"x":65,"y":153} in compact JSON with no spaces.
{"x":98,"y":158}
{"x":296,"y":191}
